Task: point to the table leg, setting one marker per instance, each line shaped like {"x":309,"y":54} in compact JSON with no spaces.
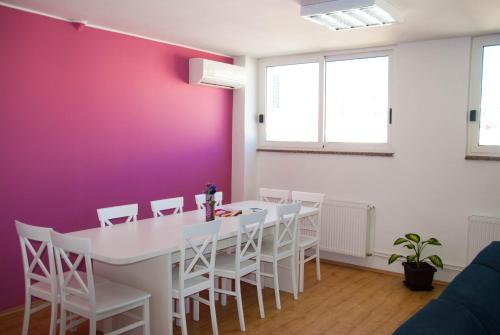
{"x":170,"y":327}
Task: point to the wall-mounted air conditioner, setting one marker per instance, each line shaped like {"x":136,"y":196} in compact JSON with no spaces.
{"x":212,"y":73}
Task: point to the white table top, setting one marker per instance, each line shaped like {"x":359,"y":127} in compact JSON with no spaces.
{"x":128,"y":243}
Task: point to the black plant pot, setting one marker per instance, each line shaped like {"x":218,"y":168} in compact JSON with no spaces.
{"x":419,"y":279}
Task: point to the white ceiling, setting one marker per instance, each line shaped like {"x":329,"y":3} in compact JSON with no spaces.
{"x":263,"y":28}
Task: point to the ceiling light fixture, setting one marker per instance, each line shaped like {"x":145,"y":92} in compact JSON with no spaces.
{"x":351,"y":14}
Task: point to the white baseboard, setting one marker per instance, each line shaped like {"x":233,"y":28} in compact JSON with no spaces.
{"x":379,"y":261}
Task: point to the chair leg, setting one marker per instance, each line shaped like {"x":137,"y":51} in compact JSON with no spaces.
{"x":223,"y":297}
{"x":239,"y":303}
{"x":62,"y":325}
{"x":276,"y":284}
{"x":70,"y":326}
{"x":27,"y":313}
{"x":177,"y":308}
{"x":196,"y":308}
{"x":301,"y":269}
{"x":188,"y":306}
{"x":217,"y":285}
{"x":53,"y":317}
{"x":259,"y":292}
{"x":294,"y":277}
{"x":92,"y":326}
{"x":182,"y":311}
{"x":145,"y":317}
{"x":213,"y":315}
{"x":318,"y":263}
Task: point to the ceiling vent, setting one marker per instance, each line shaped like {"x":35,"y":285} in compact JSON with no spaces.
{"x":351,"y":14}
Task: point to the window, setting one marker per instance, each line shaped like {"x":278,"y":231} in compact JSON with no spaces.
{"x":489,"y":131}
{"x":332,"y":103}
{"x":357,"y":100}
{"x":484,"y":115}
{"x":292,"y":103}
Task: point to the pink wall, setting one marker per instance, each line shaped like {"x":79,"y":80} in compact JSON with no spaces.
{"x":92,"y":119}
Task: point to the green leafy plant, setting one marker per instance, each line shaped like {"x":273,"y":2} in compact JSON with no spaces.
{"x":413,"y":242}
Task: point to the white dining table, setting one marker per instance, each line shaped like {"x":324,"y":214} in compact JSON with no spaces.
{"x":141,"y":254}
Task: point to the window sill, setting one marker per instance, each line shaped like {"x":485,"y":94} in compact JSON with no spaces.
{"x":327,"y":152}
{"x":482,"y":158}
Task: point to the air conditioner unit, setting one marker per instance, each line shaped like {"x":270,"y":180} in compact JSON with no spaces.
{"x":212,"y":73}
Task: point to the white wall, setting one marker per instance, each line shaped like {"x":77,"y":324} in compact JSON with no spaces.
{"x":427,"y":187}
{"x":244,"y":137}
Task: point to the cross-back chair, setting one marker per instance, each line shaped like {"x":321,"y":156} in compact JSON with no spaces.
{"x":172,"y":204}
{"x":245,"y":260}
{"x":195,"y":272}
{"x":39,"y":272}
{"x":274,"y":195}
{"x":106,"y":215}
{"x":201,"y":199}
{"x":87,"y":299}
{"x":309,"y":228}
{"x":282,"y":244}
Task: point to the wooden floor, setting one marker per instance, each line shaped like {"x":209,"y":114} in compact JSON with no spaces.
{"x":346,"y":301}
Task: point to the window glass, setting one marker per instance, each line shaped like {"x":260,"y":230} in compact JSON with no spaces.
{"x":292,"y":103}
{"x":357,"y":100}
{"x":489,"y":131}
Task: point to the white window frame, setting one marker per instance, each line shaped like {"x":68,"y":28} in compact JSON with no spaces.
{"x":475,"y":92}
{"x":321,"y":144}
{"x":365,"y":147}
{"x":291,"y":60}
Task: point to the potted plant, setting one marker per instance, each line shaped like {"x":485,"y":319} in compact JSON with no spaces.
{"x":418,"y":272}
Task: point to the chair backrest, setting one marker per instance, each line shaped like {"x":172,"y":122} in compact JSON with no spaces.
{"x":117,"y":212}
{"x":218,"y":198}
{"x":201,"y":239}
{"x":175,"y":204}
{"x":274,"y":195}
{"x":310,"y":225}
{"x":73,"y":255}
{"x":36,"y":250}
{"x":249,"y":238}
{"x":201,"y":199}
{"x":285,"y":232}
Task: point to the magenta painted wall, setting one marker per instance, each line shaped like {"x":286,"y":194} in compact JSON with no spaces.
{"x":92,"y":119}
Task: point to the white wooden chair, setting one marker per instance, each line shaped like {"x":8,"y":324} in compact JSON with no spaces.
{"x":244,"y":261}
{"x":281,"y":245}
{"x":117,"y":212}
{"x":93,"y":301}
{"x":309,"y":228}
{"x":201,"y":199}
{"x":42,"y":283}
{"x":274,"y":195}
{"x":173,"y":204}
{"x":195,"y":272}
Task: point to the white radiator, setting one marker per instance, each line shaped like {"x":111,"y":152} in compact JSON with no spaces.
{"x":482,"y":231}
{"x":346,"y":228}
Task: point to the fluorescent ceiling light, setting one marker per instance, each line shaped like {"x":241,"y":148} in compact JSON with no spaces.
{"x":351,"y":14}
